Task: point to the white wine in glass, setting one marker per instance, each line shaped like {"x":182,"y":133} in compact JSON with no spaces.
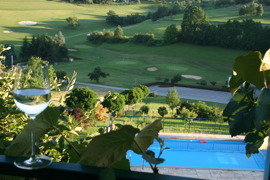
{"x":32,"y":96}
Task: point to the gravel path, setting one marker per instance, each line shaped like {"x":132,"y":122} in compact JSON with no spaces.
{"x":184,"y":92}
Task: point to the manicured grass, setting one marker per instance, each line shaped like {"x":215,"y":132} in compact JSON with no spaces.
{"x":127,"y":63}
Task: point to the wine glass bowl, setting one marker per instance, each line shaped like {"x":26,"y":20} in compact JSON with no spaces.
{"x":32,"y":96}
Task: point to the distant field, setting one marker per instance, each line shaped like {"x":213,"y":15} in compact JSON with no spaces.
{"x":126,"y":63}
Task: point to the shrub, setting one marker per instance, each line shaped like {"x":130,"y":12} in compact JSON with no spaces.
{"x":202,"y":83}
{"x":144,"y":109}
{"x":142,"y":38}
{"x":166,"y":80}
{"x":115,"y":102}
{"x":162,"y":111}
{"x":73,"y":22}
{"x":205,"y":111}
{"x":96,"y":37}
{"x":213,"y":83}
{"x":152,"y":94}
{"x":176,"y":78}
{"x":145,"y":90}
{"x":81,"y":98}
{"x":101,"y":113}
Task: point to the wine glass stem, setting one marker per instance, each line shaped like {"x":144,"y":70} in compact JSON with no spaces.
{"x":32,"y":139}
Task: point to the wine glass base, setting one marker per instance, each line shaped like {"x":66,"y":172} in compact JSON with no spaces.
{"x":38,"y":162}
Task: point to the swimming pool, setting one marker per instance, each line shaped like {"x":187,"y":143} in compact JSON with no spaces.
{"x":204,"y":154}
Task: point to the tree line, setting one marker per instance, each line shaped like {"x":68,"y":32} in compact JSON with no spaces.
{"x":45,"y":47}
{"x":245,"y":35}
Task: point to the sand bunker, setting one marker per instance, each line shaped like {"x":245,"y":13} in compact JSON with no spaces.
{"x":152,"y":68}
{"x":7,"y":31}
{"x":27,"y":23}
{"x":72,"y":50}
{"x":191,"y":76}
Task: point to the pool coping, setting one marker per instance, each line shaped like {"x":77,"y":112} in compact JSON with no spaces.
{"x":201,"y":136}
{"x":203,"y":168}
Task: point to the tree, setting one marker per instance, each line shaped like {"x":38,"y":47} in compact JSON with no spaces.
{"x":118,"y":33}
{"x":144,"y":109}
{"x":73,"y":22}
{"x":97,"y":74}
{"x":162,"y":111}
{"x":188,"y":116}
{"x":170,"y":34}
{"x":172,"y":98}
{"x":101,"y":113}
{"x":259,"y":10}
{"x":45,"y":47}
{"x":133,"y":95}
{"x":145,"y":90}
{"x":111,"y":13}
{"x":115,"y":102}
{"x":176,"y":78}
{"x":59,"y":39}
{"x":25,"y":50}
{"x":194,"y":17}
{"x":163,"y":10}
{"x":82,"y":98}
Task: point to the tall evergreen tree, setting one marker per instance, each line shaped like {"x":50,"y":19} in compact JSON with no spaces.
{"x":45,"y":47}
{"x":25,"y":50}
{"x":59,"y":39}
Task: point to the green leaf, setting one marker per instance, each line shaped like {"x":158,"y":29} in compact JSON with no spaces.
{"x":61,"y":142}
{"x":44,"y":122}
{"x":122,"y":164}
{"x":263,"y":109}
{"x":240,"y":112}
{"x":62,"y":127}
{"x":107,"y":149}
{"x":149,"y":156}
{"x":266,"y":61}
{"x":247,"y":69}
{"x":254,"y":136}
{"x":252,"y":148}
{"x":146,"y":137}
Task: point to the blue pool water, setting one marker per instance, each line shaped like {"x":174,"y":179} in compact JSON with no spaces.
{"x":209,"y":154}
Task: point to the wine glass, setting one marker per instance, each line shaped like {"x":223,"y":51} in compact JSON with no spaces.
{"x":32,"y":96}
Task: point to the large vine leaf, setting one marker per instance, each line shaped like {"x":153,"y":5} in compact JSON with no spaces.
{"x":107,"y":149}
{"x":254,"y":139}
{"x":146,"y":137}
{"x":247,"y":69}
{"x":44,"y":122}
{"x":266,"y":61}
{"x":149,"y":156}
{"x":122,"y":164}
{"x":263,"y":109}
{"x":240,"y":112}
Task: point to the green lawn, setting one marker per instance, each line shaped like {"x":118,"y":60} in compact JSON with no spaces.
{"x":127,"y":63}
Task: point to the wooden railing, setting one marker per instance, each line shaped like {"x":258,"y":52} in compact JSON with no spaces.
{"x":66,"y":171}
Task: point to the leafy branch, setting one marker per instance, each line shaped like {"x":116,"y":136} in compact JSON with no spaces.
{"x":247,"y":112}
